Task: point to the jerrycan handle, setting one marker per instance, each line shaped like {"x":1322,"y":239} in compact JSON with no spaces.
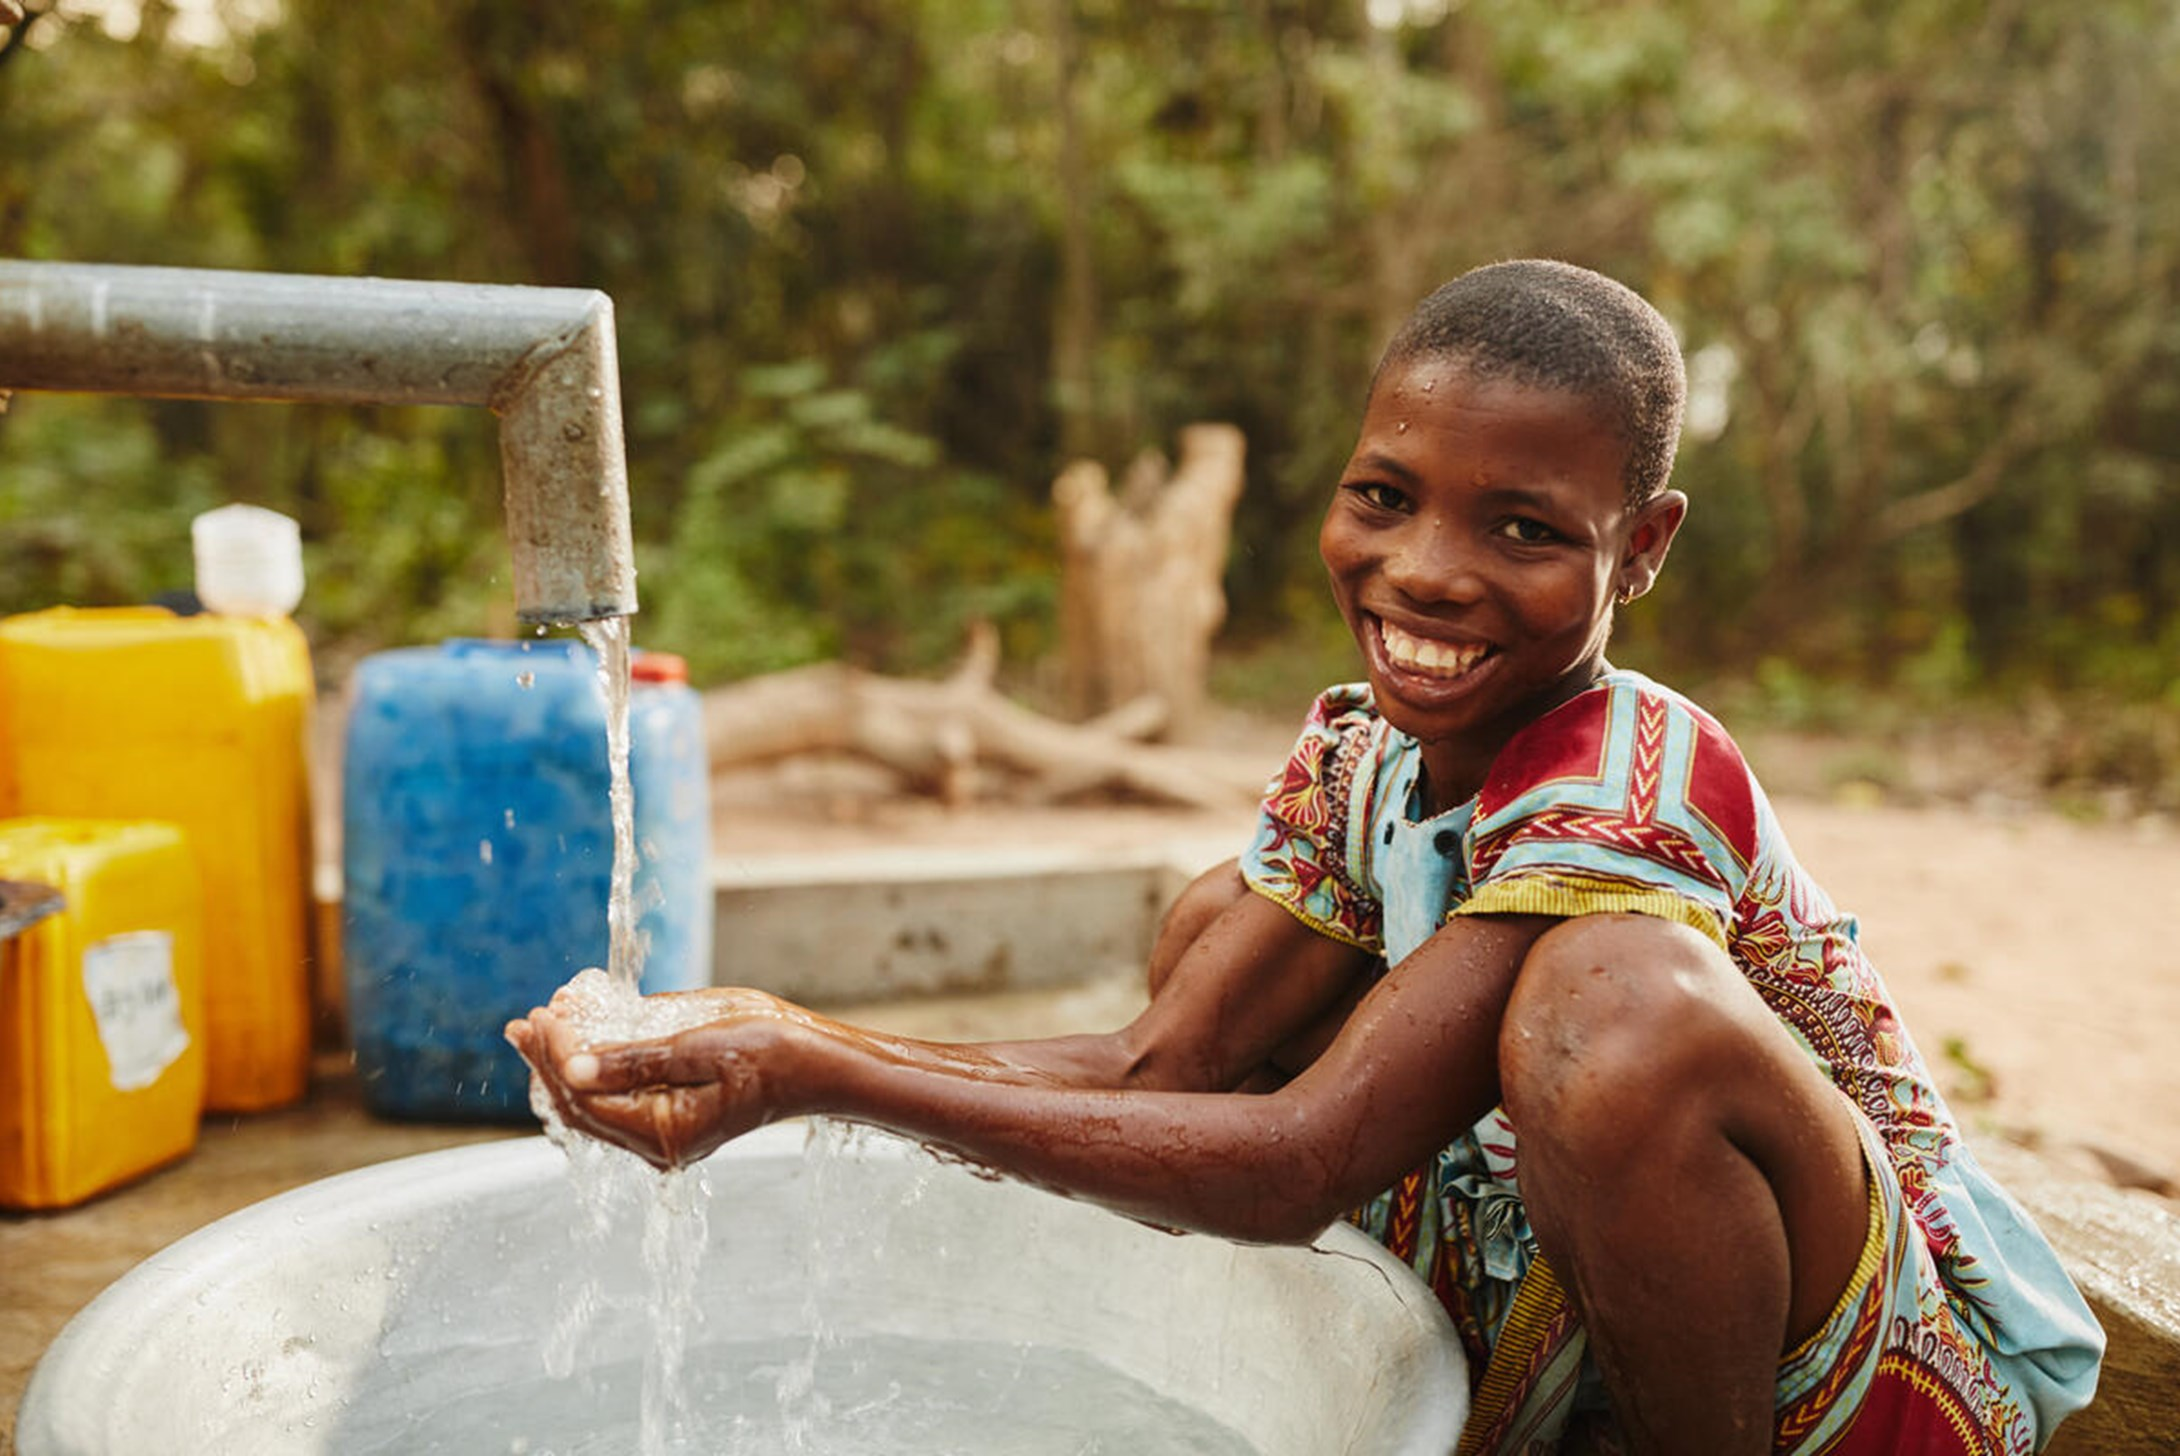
{"x":23,"y":903}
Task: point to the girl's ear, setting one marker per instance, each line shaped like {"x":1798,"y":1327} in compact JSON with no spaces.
{"x":1650,"y":535}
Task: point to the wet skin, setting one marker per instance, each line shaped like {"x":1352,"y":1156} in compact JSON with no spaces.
{"x":1686,"y":1167}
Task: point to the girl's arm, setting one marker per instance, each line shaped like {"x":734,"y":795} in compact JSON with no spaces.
{"x":1415,"y":1064}
{"x":1243,"y":987}
{"x":1252,"y":996}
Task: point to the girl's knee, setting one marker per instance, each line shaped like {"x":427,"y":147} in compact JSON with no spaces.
{"x":1614,"y":1019}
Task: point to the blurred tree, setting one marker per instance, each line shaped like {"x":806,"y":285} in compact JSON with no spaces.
{"x":882,"y":269}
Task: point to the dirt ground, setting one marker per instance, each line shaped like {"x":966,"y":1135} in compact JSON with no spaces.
{"x":2032,"y":955}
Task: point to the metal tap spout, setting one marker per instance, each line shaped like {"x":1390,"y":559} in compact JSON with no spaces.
{"x":542,"y":359}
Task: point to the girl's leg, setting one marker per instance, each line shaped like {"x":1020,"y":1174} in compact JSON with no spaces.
{"x":1208,"y":897}
{"x":1690,"y":1173}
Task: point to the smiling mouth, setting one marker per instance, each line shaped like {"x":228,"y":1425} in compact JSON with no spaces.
{"x":1427,"y":657}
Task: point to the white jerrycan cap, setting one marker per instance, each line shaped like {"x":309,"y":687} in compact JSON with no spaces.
{"x":249,"y":561}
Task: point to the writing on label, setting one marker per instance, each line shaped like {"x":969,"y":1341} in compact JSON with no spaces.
{"x":129,"y":981}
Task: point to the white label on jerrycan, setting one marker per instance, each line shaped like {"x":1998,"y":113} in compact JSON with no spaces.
{"x":130,"y":982}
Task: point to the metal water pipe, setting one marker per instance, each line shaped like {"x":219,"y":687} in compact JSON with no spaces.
{"x":542,"y":359}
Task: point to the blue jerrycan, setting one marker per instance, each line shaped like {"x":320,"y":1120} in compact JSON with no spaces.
{"x":478,"y":856}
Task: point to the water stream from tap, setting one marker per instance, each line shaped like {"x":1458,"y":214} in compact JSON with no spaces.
{"x":614,"y":1189}
{"x":608,"y":637}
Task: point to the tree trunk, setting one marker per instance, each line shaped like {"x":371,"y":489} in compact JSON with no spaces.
{"x":1141,"y":593}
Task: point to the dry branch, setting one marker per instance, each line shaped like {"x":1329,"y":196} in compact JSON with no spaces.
{"x":938,"y":736}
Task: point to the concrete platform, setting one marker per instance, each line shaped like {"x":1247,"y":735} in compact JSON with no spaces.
{"x":827,"y":928}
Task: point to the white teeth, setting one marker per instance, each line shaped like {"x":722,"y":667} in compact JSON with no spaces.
{"x":1422,"y":654}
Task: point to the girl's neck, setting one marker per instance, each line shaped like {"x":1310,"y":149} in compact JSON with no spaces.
{"x":1454,"y":769}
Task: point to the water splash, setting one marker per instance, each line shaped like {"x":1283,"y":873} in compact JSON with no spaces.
{"x":615,"y":1191}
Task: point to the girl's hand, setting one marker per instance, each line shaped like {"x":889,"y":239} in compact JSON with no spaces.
{"x":726,"y":1068}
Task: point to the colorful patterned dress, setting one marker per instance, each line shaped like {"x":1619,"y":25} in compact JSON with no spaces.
{"x":1960,"y":1332}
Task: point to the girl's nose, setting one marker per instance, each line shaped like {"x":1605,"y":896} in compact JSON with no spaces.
{"x":1429,"y":564}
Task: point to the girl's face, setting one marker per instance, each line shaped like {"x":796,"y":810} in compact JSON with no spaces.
{"x":1476,"y":542}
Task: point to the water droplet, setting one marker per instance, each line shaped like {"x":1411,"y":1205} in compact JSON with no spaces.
{"x":484,"y":851}
{"x":529,"y":679}
{"x":510,"y":818}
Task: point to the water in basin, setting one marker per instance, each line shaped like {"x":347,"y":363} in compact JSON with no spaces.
{"x":862,"y":1294}
{"x":875,"y":1396}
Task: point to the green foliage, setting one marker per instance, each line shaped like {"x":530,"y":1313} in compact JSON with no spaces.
{"x":812,"y":527}
{"x":63,"y":452}
{"x":879,"y":268}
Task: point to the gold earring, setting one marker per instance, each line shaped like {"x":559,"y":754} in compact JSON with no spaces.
{"x":1625,"y":595}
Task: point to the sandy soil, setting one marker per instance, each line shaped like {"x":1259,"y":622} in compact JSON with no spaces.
{"x":2031,"y":956}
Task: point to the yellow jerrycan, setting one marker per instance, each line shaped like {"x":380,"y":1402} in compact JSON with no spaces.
{"x":201,"y":721}
{"x":101,"y":1007}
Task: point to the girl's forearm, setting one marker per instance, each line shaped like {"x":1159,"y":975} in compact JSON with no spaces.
{"x":1245,"y":1167}
{"x":1416,"y":1064}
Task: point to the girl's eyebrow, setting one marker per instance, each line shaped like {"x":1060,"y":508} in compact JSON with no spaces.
{"x":1383,"y":465}
{"x":1521,"y":497}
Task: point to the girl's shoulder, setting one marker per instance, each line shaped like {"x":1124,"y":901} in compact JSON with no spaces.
{"x":1632,"y":746}
{"x":1343,"y":726}
{"x":1343,"y":707}
{"x":1343,"y":737}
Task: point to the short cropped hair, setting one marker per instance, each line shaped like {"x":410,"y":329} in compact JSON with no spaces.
{"x":1551,"y":325}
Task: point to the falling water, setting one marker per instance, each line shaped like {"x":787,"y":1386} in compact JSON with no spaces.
{"x":614,"y":1188}
{"x":608,"y":637}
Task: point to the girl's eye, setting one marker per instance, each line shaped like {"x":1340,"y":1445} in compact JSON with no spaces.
{"x":1528,"y":531}
{"x":1377,"y":493}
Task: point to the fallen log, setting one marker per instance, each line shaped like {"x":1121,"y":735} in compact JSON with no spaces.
{"x":944,"y":737}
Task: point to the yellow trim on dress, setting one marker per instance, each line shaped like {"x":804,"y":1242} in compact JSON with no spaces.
{"x":1875,"y":1244}
{"x":1314,"y":922}
{"x":1565,"y":895}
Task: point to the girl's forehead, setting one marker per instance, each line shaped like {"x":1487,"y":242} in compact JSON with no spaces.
{"x":1433,"y":419}
{"x":1451,"y":382}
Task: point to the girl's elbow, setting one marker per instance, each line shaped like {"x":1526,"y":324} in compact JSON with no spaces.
{"x":1305,"y":1227}
{"x":1278,"y":1218}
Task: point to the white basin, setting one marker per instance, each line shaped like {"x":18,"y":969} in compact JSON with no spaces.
{"x":409,"y":1306}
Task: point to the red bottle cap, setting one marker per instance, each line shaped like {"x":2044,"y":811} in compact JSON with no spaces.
{"x":658,"y":667}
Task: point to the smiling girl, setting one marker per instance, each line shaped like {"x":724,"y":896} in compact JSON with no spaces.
{"x":1519,"y":973}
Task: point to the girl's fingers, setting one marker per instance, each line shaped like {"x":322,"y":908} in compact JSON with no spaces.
{"x":548,"y":1039}
{"x":669,"y":1100}
{"x":558,"y":1040}
{"x":667,"y":1128}
{"x":626,"y":1066}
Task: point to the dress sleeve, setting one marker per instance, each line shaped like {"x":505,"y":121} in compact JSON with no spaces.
{"x":1625,"y":799}
{"x":1303,"y":857}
